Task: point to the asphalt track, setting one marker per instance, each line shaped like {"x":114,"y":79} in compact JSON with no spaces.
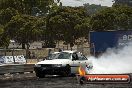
{"x":30,"y":81}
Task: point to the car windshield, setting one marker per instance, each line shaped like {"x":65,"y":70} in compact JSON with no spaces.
{"x":64,"y":55}
{"x":53,"y":56}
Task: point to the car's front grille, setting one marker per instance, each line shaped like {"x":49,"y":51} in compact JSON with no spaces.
{"x":46,"y":65}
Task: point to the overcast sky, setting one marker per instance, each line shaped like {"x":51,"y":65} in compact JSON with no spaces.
{"x":81,"y":2}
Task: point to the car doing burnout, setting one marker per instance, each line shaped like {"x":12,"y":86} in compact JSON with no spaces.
{"x":63,"y":63}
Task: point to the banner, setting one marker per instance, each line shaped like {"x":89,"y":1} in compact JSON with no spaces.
{"x":20,"y":59}
{"x":1,"y":59}
{"x":10,"y":59}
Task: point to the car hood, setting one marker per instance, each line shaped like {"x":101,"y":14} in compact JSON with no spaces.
{"x":55,"y":61}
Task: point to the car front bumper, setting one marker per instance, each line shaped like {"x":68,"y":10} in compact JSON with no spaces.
{"x":51,"y":70}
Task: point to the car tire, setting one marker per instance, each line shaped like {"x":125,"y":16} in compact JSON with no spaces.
{"x":82,"y":80}
{"x":40,"y":75}
{"x":67,"y":71}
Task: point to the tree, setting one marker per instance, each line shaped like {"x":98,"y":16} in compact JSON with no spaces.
{"x":112,"y":18}
{"x":15,"y":4}
{"x":92,"y":9}
{"x":123,"y":2}
{"x":83,"y":28}
{"x":27,"y":6}
{"x":25,"y":29}
{"x":104,"y":20}
{"x":6,"y":15}
{"x":4,"y":40}
{"x":61,"y":24}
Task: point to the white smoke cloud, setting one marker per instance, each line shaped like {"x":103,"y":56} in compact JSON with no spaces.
{"x":114,"y":61}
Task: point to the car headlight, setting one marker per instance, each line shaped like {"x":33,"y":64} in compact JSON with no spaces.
{"x":57,"y":65}
{"x":37,"y":65}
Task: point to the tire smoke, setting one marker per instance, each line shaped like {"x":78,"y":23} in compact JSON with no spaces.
{"x":114,"y":61}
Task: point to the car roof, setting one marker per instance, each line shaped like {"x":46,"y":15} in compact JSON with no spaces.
{"x":69,"y":51}
{"x":55,"y":52}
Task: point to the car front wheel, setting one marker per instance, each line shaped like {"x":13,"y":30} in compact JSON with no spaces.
{"x":67,"y":71}
{"x":40,"y":75}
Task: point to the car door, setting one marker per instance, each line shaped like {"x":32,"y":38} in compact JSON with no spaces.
{"x":76,"y":63}
{"x":80,"y":60}
{"x":83,"y":60}
{"x":86,"y":64}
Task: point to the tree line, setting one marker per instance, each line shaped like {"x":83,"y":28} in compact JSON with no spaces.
{"x":26,"y":21}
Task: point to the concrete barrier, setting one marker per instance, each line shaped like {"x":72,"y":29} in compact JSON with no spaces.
{"x":33,"y":61}
{"x":17,"y":68}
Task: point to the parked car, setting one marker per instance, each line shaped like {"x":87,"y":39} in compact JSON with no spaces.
{"x":65,"y":63}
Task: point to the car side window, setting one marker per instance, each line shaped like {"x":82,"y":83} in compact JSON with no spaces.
{"x":81,"y":57}
{"x":75,"y":56}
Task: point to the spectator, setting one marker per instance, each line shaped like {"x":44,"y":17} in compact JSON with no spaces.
{"x":60,"y":50}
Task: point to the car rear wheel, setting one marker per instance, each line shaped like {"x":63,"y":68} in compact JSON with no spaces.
{"x":82,"y":80}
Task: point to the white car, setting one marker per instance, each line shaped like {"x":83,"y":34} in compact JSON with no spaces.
{"x":53,"y":55}
{"x":65,"y":63}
